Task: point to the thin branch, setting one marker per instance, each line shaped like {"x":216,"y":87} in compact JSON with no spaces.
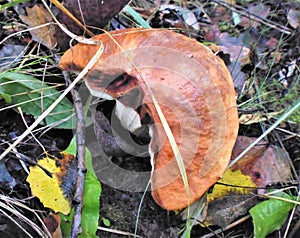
{"x":244,"y":12}
{"x":81,"y":170}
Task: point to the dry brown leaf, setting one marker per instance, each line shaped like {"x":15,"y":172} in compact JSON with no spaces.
{"x":225,"y":210}
{"x":248,"y":119}
{"x":260,"y":167}
{"x":37,"y":16}
{"x":237,"y":53}
{"x":265,"y":165}
{"x":91,"y":13}
{"x":293,"y":17}
{"x":194,"y":90}
{"x":52,"y":222}
{"x":235,"y":47}
{"x":55,"y":191}
{"x":258,"y":9}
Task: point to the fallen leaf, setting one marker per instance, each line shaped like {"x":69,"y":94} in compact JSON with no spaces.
{"x":52,"y":222}
{"x":175,"y":16}
{"x":231,"y":197}
{"x":7,"y":182}
{"x":265,"y":165}
{"x":237,"y":182}
{"x":223,"y":211}
{"x":195,"y":93}
{"x":270,"y":215}
{"x":37,"y":16}
{"x":10,"y":55}
{"x":93,"y":13}
{"x":248,"y":119}
{"x":293,"y":17}
{"x":235,"y":47}
{"x":237,"y":53}
{"x":226,"y":203}
{"x":54,"y":192}
{"x":258,"y":9}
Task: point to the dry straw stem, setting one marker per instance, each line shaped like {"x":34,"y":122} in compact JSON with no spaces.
{"x":9,"y":203}
{"x":113,"y":231}
{"x":69,"y":14}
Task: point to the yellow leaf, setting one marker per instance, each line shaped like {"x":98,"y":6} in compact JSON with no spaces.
{"x":49,"y":190}
{"x":239,"y":184}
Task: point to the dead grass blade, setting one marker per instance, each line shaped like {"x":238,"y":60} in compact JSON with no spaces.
{"x":50,"y":108}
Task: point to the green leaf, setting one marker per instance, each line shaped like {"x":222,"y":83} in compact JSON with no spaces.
{"x":66,"y":223}
{"x":35,"y":96}
{"x":105,"y":221}
{"x":91,"y":204}
{"x":270,"y":215}
{"x":91,"y":201}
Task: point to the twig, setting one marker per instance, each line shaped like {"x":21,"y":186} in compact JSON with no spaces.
{"x":244,"y":12}
{"x":125,"y":233}
{"x":81,"y":170}
{"x":227,"y":227}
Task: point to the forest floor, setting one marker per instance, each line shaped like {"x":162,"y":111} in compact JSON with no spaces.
{"x":259,"y":43}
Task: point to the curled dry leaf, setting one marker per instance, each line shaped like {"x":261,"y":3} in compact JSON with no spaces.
{"x":37,"y":16}
{"x":195,"y":93}
{"x":248,"y":119}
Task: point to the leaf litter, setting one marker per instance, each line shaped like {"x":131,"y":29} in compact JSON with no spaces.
{"x":263,"y":50}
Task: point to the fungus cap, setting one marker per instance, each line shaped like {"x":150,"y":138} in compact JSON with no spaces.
{"x":195,"y":93}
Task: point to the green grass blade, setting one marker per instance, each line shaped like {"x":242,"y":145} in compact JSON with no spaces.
{"x":137,"y":17}
{"x":11,"y":4}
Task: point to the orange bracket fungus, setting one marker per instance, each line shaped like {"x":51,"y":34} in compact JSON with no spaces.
{"x":194,"y":90}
